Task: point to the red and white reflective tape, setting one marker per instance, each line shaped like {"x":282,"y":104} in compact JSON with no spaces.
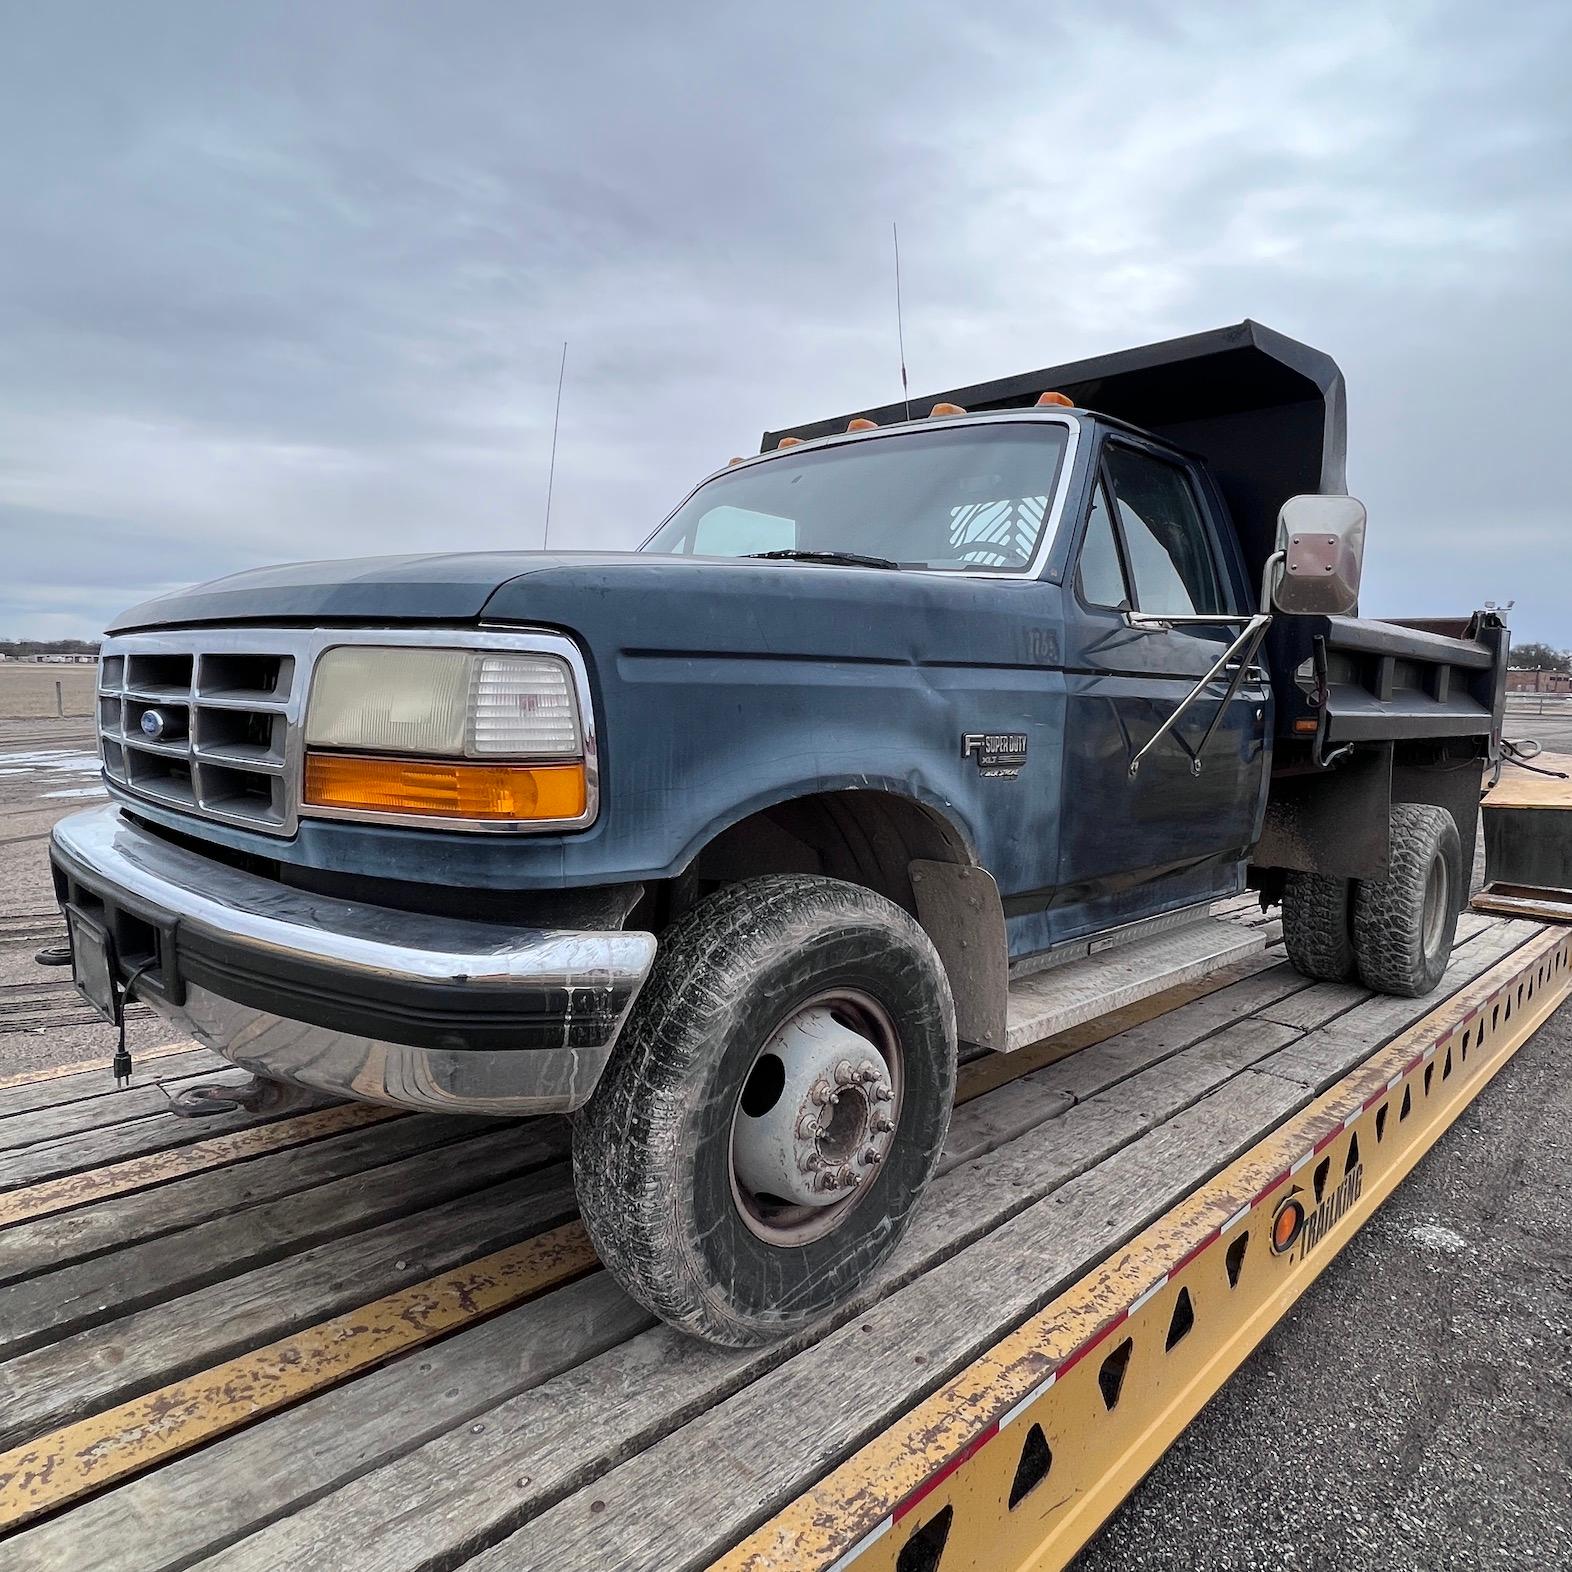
{"x":867,"y":1542}
{"x":1015,"y":1410}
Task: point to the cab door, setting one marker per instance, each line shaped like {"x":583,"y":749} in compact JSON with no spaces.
{"x":1177,"y":831}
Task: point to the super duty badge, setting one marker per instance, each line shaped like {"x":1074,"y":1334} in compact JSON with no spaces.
{"x":998,"y":753}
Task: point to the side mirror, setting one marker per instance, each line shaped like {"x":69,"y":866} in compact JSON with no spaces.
{"x":1322,"y":539}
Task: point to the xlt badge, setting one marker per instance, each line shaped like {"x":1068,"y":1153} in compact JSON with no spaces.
{"x":998,"y":753}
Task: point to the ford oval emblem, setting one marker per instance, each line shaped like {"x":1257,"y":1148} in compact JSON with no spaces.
{"x":153,"y":724}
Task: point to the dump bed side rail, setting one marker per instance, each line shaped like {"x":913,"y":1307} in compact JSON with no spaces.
{"x":1361,"y":680}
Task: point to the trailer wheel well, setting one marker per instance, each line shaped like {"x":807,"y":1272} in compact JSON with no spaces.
{"x":875,"y":839}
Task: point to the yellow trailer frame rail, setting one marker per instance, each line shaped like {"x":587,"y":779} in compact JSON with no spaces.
{"x":1018,"y":1460}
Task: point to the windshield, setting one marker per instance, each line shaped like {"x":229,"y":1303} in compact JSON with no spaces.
{"x":957,"y":497}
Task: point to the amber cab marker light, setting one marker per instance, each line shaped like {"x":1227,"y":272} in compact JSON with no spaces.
{"x":1058,"y":400}
{"x":445,"y":789}
{"x":945,"y":409}
{"x":789,"y":442}
{"x":859,"y":424}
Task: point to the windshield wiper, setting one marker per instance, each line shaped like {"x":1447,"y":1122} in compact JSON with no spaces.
{"x":839,"y":559}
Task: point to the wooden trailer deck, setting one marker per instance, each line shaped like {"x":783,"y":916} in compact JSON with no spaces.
{"x":354,"y":1338}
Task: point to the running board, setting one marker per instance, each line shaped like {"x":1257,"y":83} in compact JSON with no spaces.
{"x":1053,"y":1001}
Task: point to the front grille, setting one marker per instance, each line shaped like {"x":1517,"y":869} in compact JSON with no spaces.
{"x":226,"y":705}
{"x":232,"y":704}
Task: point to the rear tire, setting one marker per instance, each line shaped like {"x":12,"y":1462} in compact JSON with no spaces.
{"x":1404,"y":924}
{"x":666,"y":1152}
{"x":1318,"y":926}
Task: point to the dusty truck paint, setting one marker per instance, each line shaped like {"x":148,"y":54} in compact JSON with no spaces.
{"x":700,"y":669}
{"x":875,"y":721}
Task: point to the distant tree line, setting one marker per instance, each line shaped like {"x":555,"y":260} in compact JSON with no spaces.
{"x":22,"y":649}
{"x":1535,"y":656}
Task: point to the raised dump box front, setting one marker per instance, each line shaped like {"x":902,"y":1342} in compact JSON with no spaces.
{"x":1267,"y":412}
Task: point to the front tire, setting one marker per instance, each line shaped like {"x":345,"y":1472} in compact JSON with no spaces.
{"x":791,"y":1027}
{"x":1404,"y":924}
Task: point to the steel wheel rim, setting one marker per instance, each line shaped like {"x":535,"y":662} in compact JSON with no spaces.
{"x":782,"y":1223}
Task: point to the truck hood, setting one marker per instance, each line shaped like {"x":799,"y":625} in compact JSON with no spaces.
{"x":620,"y":603}
{"x":429,"y":588}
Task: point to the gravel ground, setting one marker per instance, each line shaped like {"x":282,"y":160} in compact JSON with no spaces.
{"x":1415,"y":1408}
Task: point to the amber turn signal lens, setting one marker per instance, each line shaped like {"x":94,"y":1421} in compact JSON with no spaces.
{"x":441,"y":790}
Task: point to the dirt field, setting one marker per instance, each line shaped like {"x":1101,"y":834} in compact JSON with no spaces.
{"x":28,"y":690}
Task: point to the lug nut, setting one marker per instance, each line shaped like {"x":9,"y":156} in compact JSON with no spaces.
{"x":883,"y":1125}
{"x":868,"y":1074}
{"x":828,"y":1181}
{"x":873,"y":1155}
{"x":810,"y":1162}
{"x":850,"y":1178}
{"x":883,"y":1094}
{"x":822,"y":1093}
{"x":808,"y":1128}
{"x":844,"y":1074}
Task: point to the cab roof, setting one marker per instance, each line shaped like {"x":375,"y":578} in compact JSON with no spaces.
{"x":1265,"y":411}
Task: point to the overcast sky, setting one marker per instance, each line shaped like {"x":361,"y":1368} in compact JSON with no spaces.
{"x":292,"y":281}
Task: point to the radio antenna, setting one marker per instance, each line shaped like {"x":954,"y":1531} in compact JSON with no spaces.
{"x":556,"y":421}
{"x":900,"y":326}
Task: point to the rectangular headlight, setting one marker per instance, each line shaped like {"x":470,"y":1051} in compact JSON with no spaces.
{"x":444,"y":704}
{"x":390,"y":700}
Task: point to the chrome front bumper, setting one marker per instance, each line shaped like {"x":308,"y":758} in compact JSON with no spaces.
{"x":432,"y":1013}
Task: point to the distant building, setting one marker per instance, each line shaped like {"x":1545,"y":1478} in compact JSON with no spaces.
{"x":1522,"y":680}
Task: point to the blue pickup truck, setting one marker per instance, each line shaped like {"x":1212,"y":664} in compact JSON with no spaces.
{"x":729,"y":845}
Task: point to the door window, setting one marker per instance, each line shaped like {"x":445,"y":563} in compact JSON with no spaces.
{"x":1101,"y":572}
{"x":1165,"y":538}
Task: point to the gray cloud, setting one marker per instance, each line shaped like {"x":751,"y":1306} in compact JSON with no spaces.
{"x":281,"y":282}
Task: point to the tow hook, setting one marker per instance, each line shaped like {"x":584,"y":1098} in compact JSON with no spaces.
{"x":257,"y":1095}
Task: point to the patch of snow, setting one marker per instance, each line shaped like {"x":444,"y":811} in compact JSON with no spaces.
{"x":70,"y":761}
{"x":1435,"y":1239}
{"x":79,"y":791}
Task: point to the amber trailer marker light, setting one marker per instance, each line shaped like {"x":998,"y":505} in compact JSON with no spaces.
{"x":443,"y":790}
